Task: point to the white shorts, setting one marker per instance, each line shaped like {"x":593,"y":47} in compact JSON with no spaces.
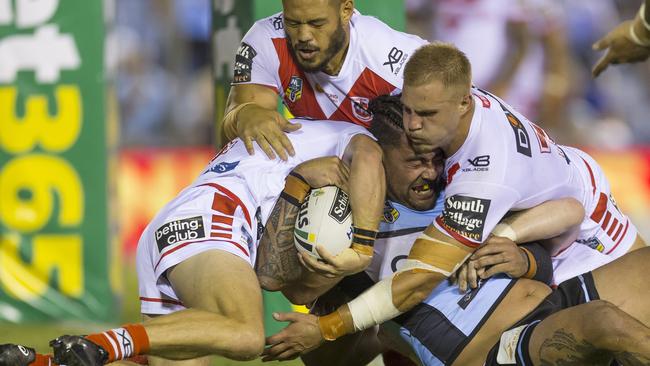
{"x":206,"y":217}
{"x":606,"y":229}
{"x":576,"y":260}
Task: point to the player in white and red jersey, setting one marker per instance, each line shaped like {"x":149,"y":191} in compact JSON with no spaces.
{"x":198,"y":288}
{"x":323,"y":58}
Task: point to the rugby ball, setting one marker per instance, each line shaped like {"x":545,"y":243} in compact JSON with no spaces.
{"x":325,"y":219}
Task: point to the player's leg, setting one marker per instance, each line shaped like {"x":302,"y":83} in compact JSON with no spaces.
{"x":159,"y":361}
{"x":589,"y":334}
{"x":524,"y":297}
{"x":623,"y":283}
{"x":224,"y":315}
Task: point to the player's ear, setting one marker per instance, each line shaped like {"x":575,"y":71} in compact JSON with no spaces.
{"x":465,"y":103}
{"x":347,"y":8}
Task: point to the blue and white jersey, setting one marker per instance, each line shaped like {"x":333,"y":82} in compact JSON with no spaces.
{"x":446,"y":321}
{"x":399,"y":228}
{"x":440,"y":327}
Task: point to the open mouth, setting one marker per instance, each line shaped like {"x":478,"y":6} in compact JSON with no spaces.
{"x":423,"y":190}
{"x":307,"y":54}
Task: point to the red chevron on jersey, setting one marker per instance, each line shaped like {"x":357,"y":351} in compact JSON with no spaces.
{"x":370,"y":68}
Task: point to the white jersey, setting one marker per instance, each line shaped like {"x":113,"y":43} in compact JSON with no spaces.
{"x":508,"y":163}
{"x":373,"y":66}
{"x":226,"y":207}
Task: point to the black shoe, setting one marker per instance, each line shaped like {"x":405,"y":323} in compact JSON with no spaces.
{"x":16,"y":355}
{"x":77,"y":351}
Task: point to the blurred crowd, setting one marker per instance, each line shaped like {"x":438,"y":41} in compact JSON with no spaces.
{"x":158,"y":51}
{"x":535,"y":53}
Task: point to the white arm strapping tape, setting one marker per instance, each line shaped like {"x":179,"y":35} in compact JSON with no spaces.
{"x":505,"y":231}
{"x":375,"y":305}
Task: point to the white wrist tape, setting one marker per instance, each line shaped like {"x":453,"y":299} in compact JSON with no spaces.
{"x":505,"y":231}
{"x":374,"y":306}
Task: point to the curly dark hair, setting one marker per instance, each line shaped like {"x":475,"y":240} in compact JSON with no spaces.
{"x":386,"y":125}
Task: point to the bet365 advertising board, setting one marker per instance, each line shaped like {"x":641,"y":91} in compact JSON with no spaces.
{"x":54,"y":248}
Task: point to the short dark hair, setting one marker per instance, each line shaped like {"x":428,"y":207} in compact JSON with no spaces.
{"x":387,"y":125}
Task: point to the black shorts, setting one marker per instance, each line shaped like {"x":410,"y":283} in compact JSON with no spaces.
{"x":572,"y":292}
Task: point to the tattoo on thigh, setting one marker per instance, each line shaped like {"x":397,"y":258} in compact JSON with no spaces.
{"x":631,"y":358}
{"x":277,"y":258}
{"x":563,"y":348}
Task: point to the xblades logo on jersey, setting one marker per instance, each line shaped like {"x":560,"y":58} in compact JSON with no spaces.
{"x":395,"y":57}
{"x":478,"y":164}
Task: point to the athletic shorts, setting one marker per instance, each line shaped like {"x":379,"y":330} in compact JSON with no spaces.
{"x":606,"y":229}
{"x":576,"y":260}
{"x":206,"y":217}
{"x":439,"y":328}
{"x":513,"y":347}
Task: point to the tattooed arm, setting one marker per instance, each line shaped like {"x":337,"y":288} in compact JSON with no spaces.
{"x":277,"y":257}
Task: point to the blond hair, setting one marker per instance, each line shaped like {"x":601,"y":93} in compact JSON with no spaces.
{"x":438,"y":61}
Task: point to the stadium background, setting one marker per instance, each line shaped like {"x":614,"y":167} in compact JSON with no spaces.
{"x":107,"y":109}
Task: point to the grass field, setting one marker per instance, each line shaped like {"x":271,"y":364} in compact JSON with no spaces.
{"x":38,"y":335}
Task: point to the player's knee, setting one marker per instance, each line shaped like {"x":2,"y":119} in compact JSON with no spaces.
{"x":605,"y":326}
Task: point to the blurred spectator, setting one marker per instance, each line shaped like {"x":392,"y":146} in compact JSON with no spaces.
{"x":537,"y":55}
{"x":160,"y":53}
{"x":518,"y":51}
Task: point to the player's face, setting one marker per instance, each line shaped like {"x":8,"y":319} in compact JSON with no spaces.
{"x":315,"y":32}
{"x":412,"y":180}
{"x":431,"y":115}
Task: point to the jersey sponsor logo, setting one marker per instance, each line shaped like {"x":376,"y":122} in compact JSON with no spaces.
{"x":391,"y":214}
{"x":478,"y":164}
{"x":277,"y":22}
{"x":592,"y":243}
{"x":470,"y":295}
{"x":360,"y":108}
{"x":179,"y":230}
{"x":396,"y":59}
{"x":466,"y":216}
{"x":340,"y":209}
{"x":244,"y":63}
{"x":246,"y":238}
{"x":521,"y":135}
{"x":223,"y":167}
{"x":294,"y":89}
{"x":542,"y":138}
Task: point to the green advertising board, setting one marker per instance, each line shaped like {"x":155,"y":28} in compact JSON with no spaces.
{"x":54,"y":251}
